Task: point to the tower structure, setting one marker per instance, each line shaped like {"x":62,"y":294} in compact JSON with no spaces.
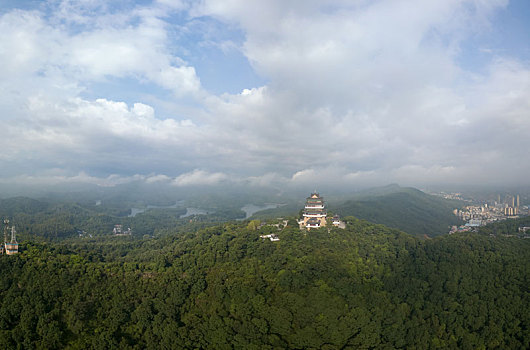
{"x":2,"y":246}
{"x":314,"y":214}
{"x":10,"y":246}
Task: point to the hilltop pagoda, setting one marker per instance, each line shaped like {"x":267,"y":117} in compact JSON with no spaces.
{"x":314,"y":215}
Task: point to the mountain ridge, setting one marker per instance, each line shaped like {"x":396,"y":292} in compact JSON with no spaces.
{"x":404,"y":208}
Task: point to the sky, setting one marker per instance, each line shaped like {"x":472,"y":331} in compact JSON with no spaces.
{"x":353,"y":93}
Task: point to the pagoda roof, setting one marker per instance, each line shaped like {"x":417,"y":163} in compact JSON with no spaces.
{"x":322,"y":214}
{"x":314,"y":210}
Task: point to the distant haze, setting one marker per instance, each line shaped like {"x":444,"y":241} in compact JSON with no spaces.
{"x":280,"y":94}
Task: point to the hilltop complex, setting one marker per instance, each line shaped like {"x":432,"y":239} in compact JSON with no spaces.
{"x":315,"y":213}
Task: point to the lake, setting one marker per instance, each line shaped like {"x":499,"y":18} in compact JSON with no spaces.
{"x":136,"y":211}
{"x":251,"y":209}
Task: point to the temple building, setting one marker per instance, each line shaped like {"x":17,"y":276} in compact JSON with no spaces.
{"x":314,"y":214}
{"x":119,"y":231}
{"x":336,"y":221}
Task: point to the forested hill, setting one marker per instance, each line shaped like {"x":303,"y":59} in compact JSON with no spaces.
{"x":407,"y":209}
{"x":56,"y":220}
{"x":62,"y":217}
{"x":507,"y":227}
{"x":365,"y":287}
{"x":13,"y":206}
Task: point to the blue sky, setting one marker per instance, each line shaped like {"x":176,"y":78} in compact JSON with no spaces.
{"x":268,"y":93}
{"x":506,"y":35}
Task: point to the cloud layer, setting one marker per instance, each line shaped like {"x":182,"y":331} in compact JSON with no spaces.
{"x":358,"y":93}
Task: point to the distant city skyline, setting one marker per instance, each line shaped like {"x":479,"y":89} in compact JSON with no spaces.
{"x":265,"y":93}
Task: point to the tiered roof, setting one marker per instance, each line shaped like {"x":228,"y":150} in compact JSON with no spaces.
{"x":314,"y":206}
{"x":314,"y":211}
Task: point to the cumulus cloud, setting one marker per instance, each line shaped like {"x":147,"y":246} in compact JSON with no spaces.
{"x":377,"y":88}
{"x":80,"y":178}
{"x":157,"y":178}
{"x":356,"y":93}
{"x":108,"y":45}
{"x":200,"y":177}
{"x":77,"y":133}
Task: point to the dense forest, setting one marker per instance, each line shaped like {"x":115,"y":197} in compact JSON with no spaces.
{"x":507,"y":227}
{"x":224,"y":287}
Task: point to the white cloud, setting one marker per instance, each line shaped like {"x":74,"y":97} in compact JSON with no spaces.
{"x":173,"y":4}
{"x":80,"y":178}
{"x":112,"y":45}
{"x":357,"y":92}
{"x":107,"y":119}
{"x":181,"y":80}
{"x":200,"y":177}
{"x":81,"y":134}
{"x":157,"y":178}
{"x":377,"y":88}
